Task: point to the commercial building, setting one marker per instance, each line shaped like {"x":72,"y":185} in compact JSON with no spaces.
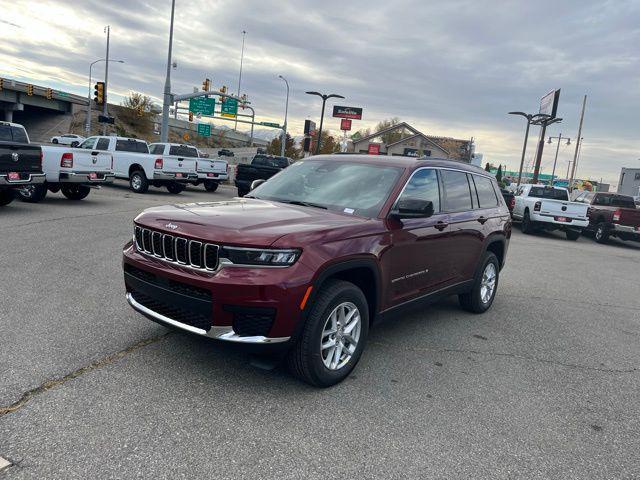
{"x":403,"y":139}
{"x":629,"y":183}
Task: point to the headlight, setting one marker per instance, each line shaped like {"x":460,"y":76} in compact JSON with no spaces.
{"x":260,"y":256}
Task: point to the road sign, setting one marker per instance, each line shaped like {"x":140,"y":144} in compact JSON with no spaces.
{"x":270,"y":124}
{"x":411,"y":152}
{"x":186,"y":137}
{"x":229,"y":108}
{"x":374,"y":149}
{"x":106,"y":119}
{"x":202,"y":105}
{"x":353,"y":113}
{"x":549,"y":103}
{"x":204,"y":129}
{"x":345,"y":124}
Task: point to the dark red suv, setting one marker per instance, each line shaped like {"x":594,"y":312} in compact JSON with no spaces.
{"x":311,"y":258}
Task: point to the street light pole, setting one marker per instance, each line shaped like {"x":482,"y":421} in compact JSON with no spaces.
{"x":544,"y":124}
{"x":166,"y":101}
{"x":578,"y":144}
{"x":531,"y":119}
{"x":324,"y":101}
{"x":244,"y":33}
{"x":106,"y":81}
{"x":555,"y":161}
{"x":284,"y":127}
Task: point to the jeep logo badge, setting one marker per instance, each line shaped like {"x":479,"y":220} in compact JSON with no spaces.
{"x":15,"y":157}
{"x":171,"y":226}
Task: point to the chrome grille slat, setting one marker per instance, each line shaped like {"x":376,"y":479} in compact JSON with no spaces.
{"x":195,"y":254}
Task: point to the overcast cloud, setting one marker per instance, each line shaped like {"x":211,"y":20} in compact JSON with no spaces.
{"x":449,"y":68}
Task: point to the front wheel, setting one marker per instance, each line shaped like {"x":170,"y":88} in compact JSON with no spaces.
{"x":6,"y":197}
{"x":334,"y":335}
{"x":33,"y":193}
{"x":242,"y":192}
{"x":210,"y":185}
{"x":138,"y":182}
{"x":573,"y":234}
{"x":175,"y":187}
{"x":485,"y":285}
{"x":75,"y":192}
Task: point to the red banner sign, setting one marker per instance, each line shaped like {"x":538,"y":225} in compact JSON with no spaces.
{"x":345,"y":124}
{"x":374,"y":149}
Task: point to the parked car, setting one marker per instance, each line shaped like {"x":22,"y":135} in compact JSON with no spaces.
{"x":262,"y":167}
{"x":509,"y":198}
{"x":133,"y":162}
{"x":311,"y":258}
{"x":68,"y":139}
{"x":210,"y":171}
{"x":611,"y":215}
{"x":225,"y":152}
{"x":542,"y":207}
{"x":20,"y":161}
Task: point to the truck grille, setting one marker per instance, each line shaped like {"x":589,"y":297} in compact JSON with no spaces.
{"x":191,"y":253}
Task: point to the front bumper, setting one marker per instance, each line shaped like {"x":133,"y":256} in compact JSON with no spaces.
{"x":85,"y":177}
{"x":30,"y":179}
{"x":175,"y":176}
{"x":551,"y":220}
{"x":165,"y":294}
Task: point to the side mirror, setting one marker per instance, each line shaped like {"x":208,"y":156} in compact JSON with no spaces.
{"x":413,"y":208}
{"x":256,"y":183}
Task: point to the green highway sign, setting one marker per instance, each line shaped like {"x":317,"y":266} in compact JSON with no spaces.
{"x":229,"y":108}
{"x":270,"y":124}
{"x":204,"y":129}
{"x":202,"y":105}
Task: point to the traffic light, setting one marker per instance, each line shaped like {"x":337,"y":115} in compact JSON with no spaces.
{"x":191,"y":116}
{"x":30,"y":90}
{"x":206,"y":85}
{"x":223,"y":89}
{"x":49,"y":94}
{"x":98,"y":93}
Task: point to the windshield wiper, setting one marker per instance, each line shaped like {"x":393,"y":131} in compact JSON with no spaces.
{"x":304,"y":204}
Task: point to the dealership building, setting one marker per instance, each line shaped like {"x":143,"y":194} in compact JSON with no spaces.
{"x":629,"y":183}
{"x":403,"y":139}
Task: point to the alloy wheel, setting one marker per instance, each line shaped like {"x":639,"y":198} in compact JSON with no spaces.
{"x":340,"y":336}
{"x":488,"y":283}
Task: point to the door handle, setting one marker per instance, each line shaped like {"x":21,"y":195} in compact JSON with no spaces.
{"x":482,"y":220}
{"x":94,"y":153}
{"x":441,"y":225}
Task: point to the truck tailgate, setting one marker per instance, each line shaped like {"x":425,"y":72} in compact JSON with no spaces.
{"x":629,"y":217}
{"x":90,"y":160}
{"x":173,"y":163}
{"x":19,"y":157}
{"x":562,"y":208}
{"x":214,"y":166}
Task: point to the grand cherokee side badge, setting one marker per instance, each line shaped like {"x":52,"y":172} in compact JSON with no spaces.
{"x":171,"y":226}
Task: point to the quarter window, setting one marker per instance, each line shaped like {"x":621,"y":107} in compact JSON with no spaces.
{"x":423,"y":185}
{"x":456,"y":191}
{"x":486,"y":193}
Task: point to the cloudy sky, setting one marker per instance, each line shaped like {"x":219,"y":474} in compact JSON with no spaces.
{"x":450,"y":68}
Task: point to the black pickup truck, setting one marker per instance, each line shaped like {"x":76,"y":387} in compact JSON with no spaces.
{"x":261,"y":167}
{"x":20,"y":162}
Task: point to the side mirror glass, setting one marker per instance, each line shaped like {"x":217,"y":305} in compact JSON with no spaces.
{"x":413,"y":208}
{"x":256,"y":183}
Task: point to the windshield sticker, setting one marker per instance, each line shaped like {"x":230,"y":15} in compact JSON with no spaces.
{"x":349,"y":210}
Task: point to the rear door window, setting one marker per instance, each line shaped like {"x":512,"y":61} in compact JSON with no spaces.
{"x":131,"y":146}
{"x":486,"y":193}
{"x":457,"y":193}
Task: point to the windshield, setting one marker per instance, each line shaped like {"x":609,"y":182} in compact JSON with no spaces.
{"x":549,"y":192}
{"x":353,"y":188}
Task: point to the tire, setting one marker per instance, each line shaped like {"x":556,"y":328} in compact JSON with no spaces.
{"x":210,"y":185}
{"x":175,"y":187}
{"x":573,"y":234}
{"x":601,"y":234}
{"x":33,"y":193}
{"x":54,"y":141}
{"x":526,"y":225}
{"x":74,"y":144}
{"x":75,"y":192}
{"x":138,"y":182}
{"x":242,"y":193}
{"x":6,"y":197}
{"x":477,"y":301}
{"x":307,"y":360}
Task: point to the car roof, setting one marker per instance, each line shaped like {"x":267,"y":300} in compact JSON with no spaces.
{"x":11,"y":124}
{"x":404,"y":162}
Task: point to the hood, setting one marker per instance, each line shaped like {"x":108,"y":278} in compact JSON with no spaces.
{"x":244,"y":222}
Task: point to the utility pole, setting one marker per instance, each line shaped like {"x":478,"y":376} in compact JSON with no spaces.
{"x":244,"y":33}
{"x":555,"y":161}
{"x":544,"y":124}
{"x":167,"y":100}
{"x":578,"y":144}
{"x":106,"y":81}
{"x":284,"y":127}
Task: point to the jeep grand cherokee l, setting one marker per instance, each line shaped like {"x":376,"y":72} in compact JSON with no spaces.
{"x":311,"y":258}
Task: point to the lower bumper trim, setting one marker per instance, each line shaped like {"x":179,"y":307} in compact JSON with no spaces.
{"x":225,"y":333}
{"x":84,"y":177}
{"x":33,"y":179}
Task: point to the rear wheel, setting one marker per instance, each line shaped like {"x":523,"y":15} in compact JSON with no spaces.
{"x":175,"y":187}
{"x":242,"y":193}
{"x":334,"y":335}
{"x":6,"y":197}
{"x":527,"y":225}
{"x":55,"y":141}
{"x":75,"y":192}
{"x":138,"y":182}
{"x":485,"y":285}
{"x":210,"y":185}
{"x":33,"y":193}
{"x":573,"y":234}
{"x":602,"y":233}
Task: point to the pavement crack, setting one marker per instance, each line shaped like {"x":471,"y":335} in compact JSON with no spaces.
{"x":73,"y":217}
{"x":519,"y":357}
{"x":49,"y":384}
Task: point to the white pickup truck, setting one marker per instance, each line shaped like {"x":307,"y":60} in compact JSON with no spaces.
{"x":211,"y":171}
{"x":71,"y":171}
{"x":540,"y":207}
{"x":132,"y":161}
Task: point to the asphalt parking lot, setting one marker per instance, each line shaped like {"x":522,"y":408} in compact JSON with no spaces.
{"x":545,"y":385}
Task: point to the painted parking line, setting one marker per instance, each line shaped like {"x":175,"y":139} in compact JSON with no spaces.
{"x":4,"y":464}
